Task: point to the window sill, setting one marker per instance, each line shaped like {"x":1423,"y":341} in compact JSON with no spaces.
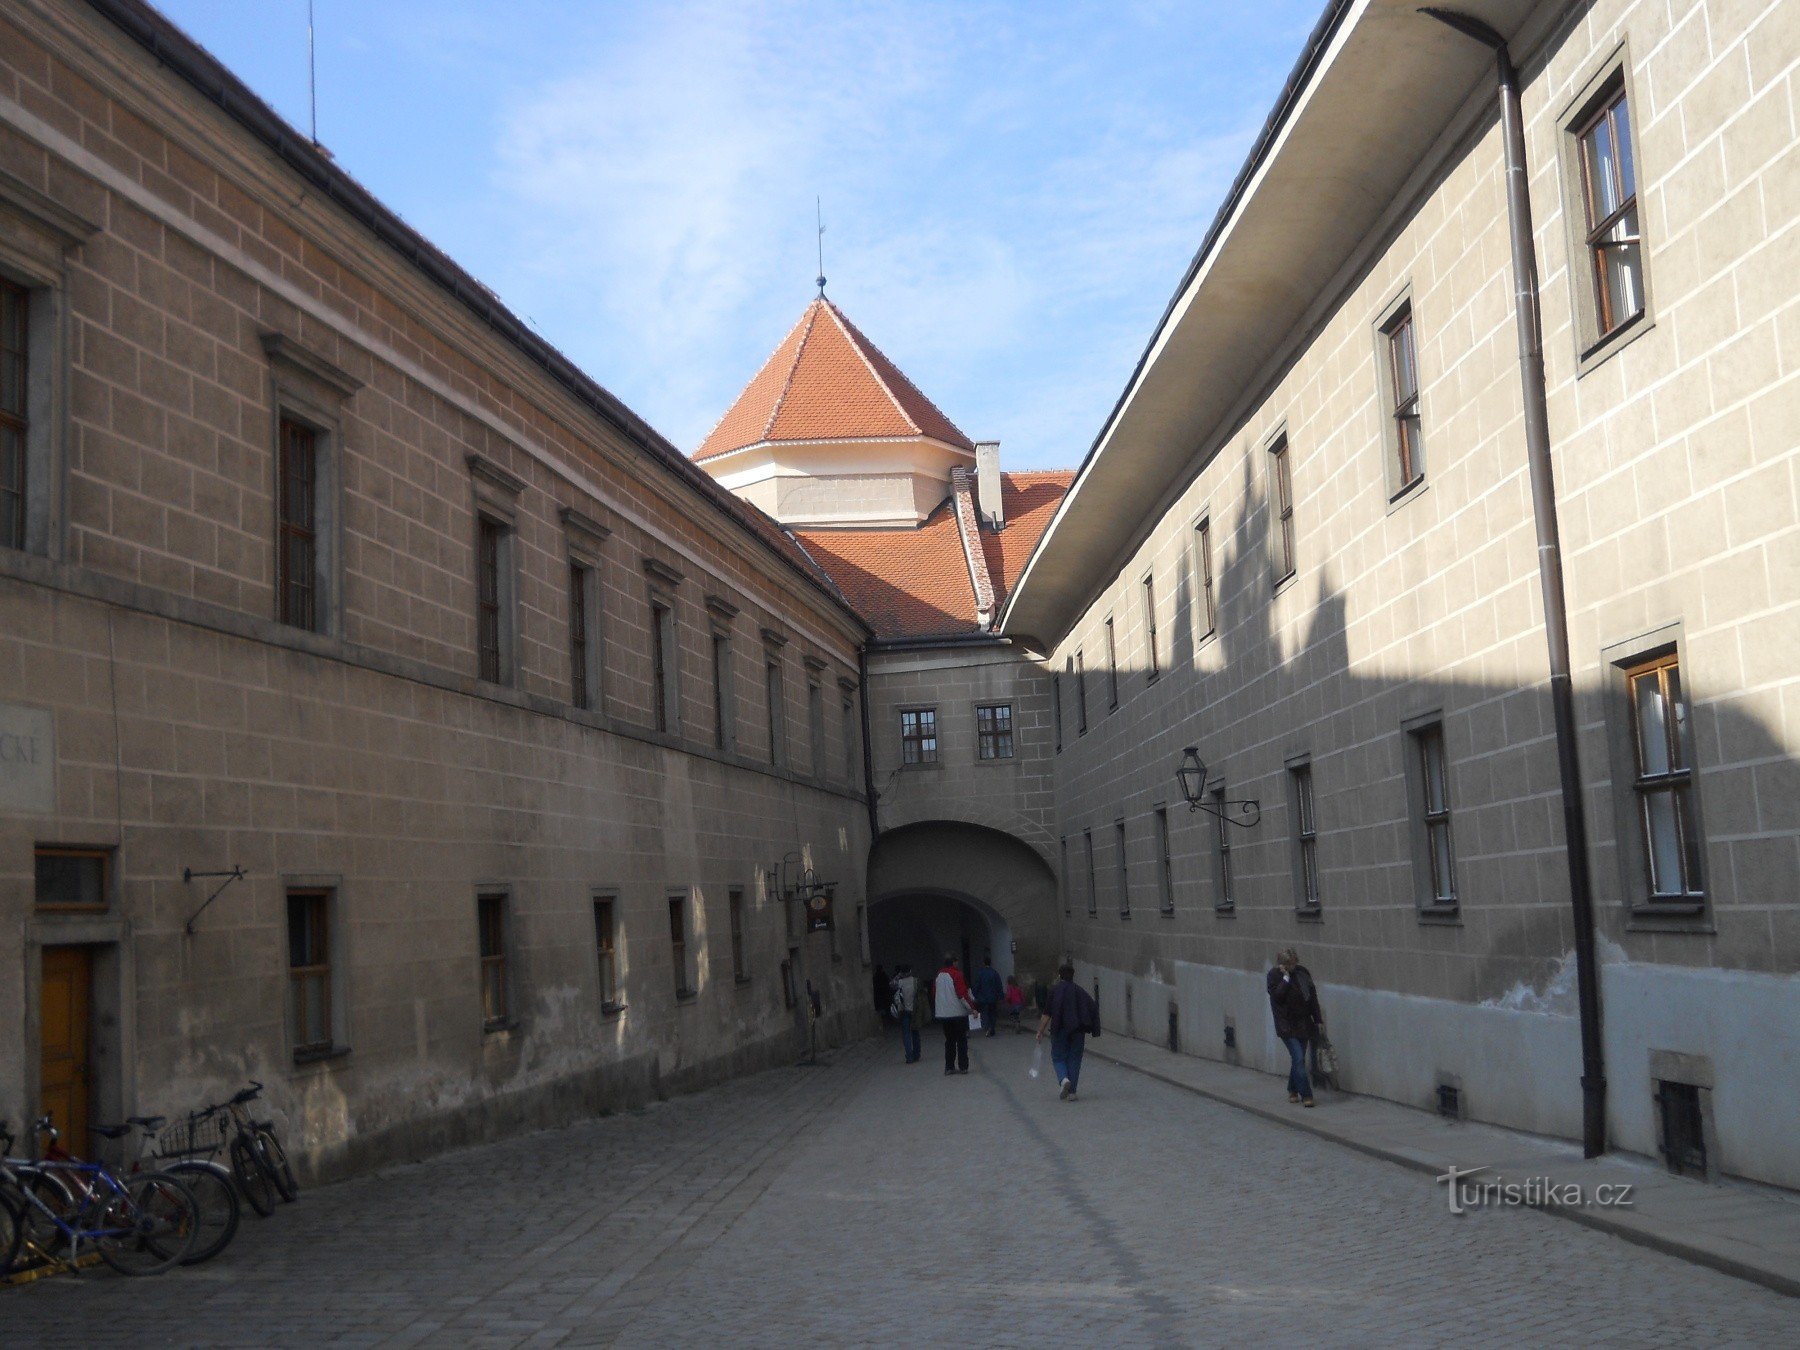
{"x":612,"y":1009}
{"x":996,"y":762}
{"x":743,"y":981}
{"x":1312,"y":915}
{"x":1407,"y":495}
{"x":1284,"y":581}
{"x":1153,"y":677}
{"x":687,"y":996}
{"x":1602,"y":350}
{"x":1224,"y":911}
{"x":934,"y":766}
{"x":1444,"y":916}
{"x":319,"y":1054}
{"x":1671,"y":916}
{"x":500,"y":1026}
{"x":1166,"y":912}
{"x":1124,"y":915}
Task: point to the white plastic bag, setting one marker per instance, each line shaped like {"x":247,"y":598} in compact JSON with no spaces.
{"x":1037,"y":1060}
{"x":974,"y":1021}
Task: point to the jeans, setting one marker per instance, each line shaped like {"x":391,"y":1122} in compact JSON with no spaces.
{"x":1297,"y":1081}
{"x":909,"y":1037}
{"x":988,"y":1018}
{"x":956,"y":1043}
{"x":1065,"y":1056}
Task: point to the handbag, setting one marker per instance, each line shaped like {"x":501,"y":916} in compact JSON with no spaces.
{"x":974,"y":1021}
{"x":1325,"y":1060}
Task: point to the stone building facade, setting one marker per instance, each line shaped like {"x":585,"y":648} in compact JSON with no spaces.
{"x":319,"y":565}
{"x":1336,"y":596}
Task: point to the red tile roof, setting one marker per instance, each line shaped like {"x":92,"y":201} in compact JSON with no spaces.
{"x":912,"y":583}
{"x":826,"y":381}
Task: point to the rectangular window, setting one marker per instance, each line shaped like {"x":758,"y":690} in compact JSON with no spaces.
{"x":815,"y":727}
{"x":309,"y":972}
{"x":1056,"y":707}
{"x":1208,"y":614}
{"x":1062,"y":875}
{"x":678,"y":946}
{"x":490,"y":547}
{"x":297,"y":549}
{"x":1093,"y":892}
{"x":918,"y":736}
{"x":72,"y":878}
{"x":721,"y":687}
{"x":606,"y":948}
{"x":15,"y":342}
{"x":496,"y":996}
{"x":1124,"y":869}
{"x":848,"y":716}
{"x":773,"y":697}
{"x":739,"y":971}
{"x":1406,"y":445}
{"x":1149,"y":584}
{"x":1226,"y":897}
{"x":1281,"y":508}
{"x":1664,"y":782}
{"x":994,"y":730}
{"x":1610,"y":202}
{"x":1165,"y":877}
{"x":1112,"y":665}
{"x":579,"y":693}
{"x":1430,"y":790}
{"x":1080,"y":694}
{"x":1306,"y":837}
{"x":662,"y":664}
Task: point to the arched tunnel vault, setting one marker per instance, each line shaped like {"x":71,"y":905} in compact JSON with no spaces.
{"x":946,"y":886}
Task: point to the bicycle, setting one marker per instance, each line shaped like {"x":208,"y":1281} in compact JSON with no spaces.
{"x":141,"y":1225}
{"x":179,"y":1151}
{"x":258,"y":1161}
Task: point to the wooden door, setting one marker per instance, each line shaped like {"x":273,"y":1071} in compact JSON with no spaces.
{"x":63,"y":1037}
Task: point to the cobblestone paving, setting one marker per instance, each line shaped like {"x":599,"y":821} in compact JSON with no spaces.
{"x":870,"y":1201}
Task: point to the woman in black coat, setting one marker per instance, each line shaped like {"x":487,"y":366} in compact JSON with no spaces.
{"x":1294,"y":999}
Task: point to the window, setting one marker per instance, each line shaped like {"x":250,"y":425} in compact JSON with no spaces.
{"x":721,"y":687}
{"x":1165,"y":877}
{"x":662,"y":664}
{"x":994,"y":731}
{"x":1149,"y":584}
{"x":1112,"y":665}
{"x":1609,"y":196}
{"x":1124,"y":869}
{"x":1226,"y":899}
{"x":918,"y":736}
{"x":739,"y":971}
{"x":1306,"y":837}
{"x":579,"y":692}
{"x":847,"y":715}
{"x":72,"y":878}
{"x":678,"y":946}
{"x":1281,"y":504}
{"x":1663,"y":782}
{"x":309,"y":972}
{"x":1203,"y":578}
{"x":490,"y":644}
{"x":862,"y":934}
{"x":1056,"y":707}
{"x":15,"y":334}
{"x":1428,"y":786}
{"x":1093,"y":894}
{"x":773,"y":697}
{"x":788,"y":995}
{"x":815,"y":727}
{"x":297,"y":548}
{"x":606,"y":948}
{"x":496,"y":1006}
{"x":1405,"y":441}
{"x":1062,"y":875}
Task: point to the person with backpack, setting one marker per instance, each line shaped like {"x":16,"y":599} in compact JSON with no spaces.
{"x":1294,"y":1000}
{"x":988,"y":992}
{"x":950,"y":994}
{"x":1070,"y":1016}
{"x":906,"y":993}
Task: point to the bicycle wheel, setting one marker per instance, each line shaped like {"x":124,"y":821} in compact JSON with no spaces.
{"x":149,"y":1227}
{"x":281,"y":1172}
{"x":253,"y":1180}
{"x":219,"y":1209}
{"x":12,"y":1229}
{"x":39,"y":1236}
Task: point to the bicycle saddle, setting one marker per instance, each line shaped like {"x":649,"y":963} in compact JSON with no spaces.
{"x":110,"y":1131}
{"x":148,"y":1122}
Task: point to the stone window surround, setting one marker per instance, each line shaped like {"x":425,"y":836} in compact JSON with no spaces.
{"x":1205,"y":601}
{"x":307,"y":389}
{"x":610,"y":896}
{"x":720,"y":617}
{"x":1010,"y":760}
{"x":815,"y":667}
{"x":1642,"y":915}
{"x":506,"y":1024}
{"x":1299,"y":776}
{"x":1093,"y":891}
{"x":1425,"y":902}
{"x":935,"y":736}
{"x":1591,"y":349}
{"x":1282,"y":570}
{"x":1398,"y":493}
{"x":337,"y":946}
{"x":1122,"y":842}
{"x":494,"y":497}
{"x":681,"y":902}
{"x":584,"y":542}
{"x":1165,"y":858}
{"x":775,"y":695}
{"x":1224,"y":881}
{"x":37,"y":235}
{"x":847,"y":688}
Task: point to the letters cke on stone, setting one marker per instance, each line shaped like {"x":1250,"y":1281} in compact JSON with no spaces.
{"x":27,"y":760}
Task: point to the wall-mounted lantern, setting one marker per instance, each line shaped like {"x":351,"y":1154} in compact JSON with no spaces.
{"x":1192,"y":777}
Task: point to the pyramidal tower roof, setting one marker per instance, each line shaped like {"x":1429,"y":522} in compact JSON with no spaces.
{"x":827,"y":382}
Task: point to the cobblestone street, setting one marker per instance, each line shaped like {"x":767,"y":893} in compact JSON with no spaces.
{"x":868,"y":1201}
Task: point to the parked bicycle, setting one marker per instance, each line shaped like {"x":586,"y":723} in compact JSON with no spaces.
{"x":258,"y":1161}
{"x":189,"y":1149}
{"x":141,"y":1224}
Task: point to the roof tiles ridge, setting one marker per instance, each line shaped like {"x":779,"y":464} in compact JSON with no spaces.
{"x":854,"y":337}
{"x":811,"y":317}
{"x":968,"y":529}
{"x":731,"y":407}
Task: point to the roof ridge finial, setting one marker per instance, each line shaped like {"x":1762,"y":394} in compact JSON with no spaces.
{"x":819,"y":215}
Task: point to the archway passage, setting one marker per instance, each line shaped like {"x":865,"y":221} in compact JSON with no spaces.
{"x":940,"y":887}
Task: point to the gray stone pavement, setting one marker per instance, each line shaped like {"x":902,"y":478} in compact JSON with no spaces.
{"x":869,"y":1201}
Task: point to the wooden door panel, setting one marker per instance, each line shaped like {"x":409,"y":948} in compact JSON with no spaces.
{"x":63,"y":1040}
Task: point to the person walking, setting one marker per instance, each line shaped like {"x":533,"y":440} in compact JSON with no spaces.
{"x":1294,"y":1000}
{"x":988,"y":993}
{"x":1070,"y":1016}
{"x":950,"y":994}
{"x":906,"y":994}
{"x":1014,"y":998}
{"x":921,"y":1015}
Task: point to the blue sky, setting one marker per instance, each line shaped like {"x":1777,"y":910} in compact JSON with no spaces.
{"x":1010,"y":190}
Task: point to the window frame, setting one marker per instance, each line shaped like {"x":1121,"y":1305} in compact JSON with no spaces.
{"x":15,"y":517}
{"x":1068,"y":890}
{"x":495,"y":613}
{"x":665,"y":664}
{"x":849,"y":725}
{"x":1205,"y":582}
{"x":1056,"y":708}
{"x":1224,"y":879}
{"x":734,"y":901}
{"x":302,"y":1049}
{"x":1093,"y":891}
{"x":101,"y":855}
{"x":918,"y":726}
{"x":1431,"y":829}
{"x":682,"y":952}
{"x":1399,"y":452}
{"x":1165,"y":860}
{"x":774,"y":709}
{"x":1001,"y":739}
{"x":1148,"y":592}
{"x":606,"y":952}
{"x":1122,"y":843}
{"x":494,"y":964}
{"x":1284,"y":554}
{"x":1303,"y":833}
{"x":815,"y":726}
{"x":1112,"y":665}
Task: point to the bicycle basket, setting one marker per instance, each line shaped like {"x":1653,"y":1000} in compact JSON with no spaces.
{"x":196,"y":1135}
